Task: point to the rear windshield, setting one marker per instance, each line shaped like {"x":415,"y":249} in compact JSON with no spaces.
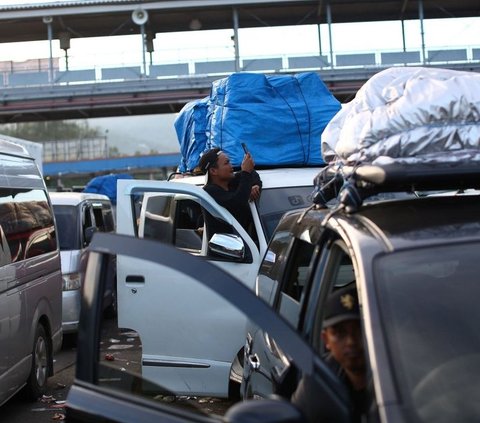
{"x":274,"y":202}
{"x":67,"y":227}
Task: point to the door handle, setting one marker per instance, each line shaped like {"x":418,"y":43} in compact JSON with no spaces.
{"x":135,"y":279}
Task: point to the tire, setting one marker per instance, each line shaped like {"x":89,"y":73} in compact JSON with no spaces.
{"x":235,"y":379}
{"x":37,"y":381}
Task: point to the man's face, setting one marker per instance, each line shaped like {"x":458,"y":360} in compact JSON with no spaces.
{"x":223,"y":169}
{"x":344,"y":341}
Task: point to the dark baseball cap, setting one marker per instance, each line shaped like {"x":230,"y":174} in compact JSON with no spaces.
{"x":208,"y":159}
{"x":342,"y":305}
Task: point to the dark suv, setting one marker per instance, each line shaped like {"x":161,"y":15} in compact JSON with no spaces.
{"x":415,"y":265}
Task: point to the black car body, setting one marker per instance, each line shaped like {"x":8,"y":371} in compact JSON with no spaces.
{"x":415,"y":263}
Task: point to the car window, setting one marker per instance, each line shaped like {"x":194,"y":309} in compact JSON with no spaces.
{"x":429,"y":311}
{"x":189,"y":224}
{"x":274,"y":202}
{"x":87,"y":222}
{"x":335,"y":272}
{"x":271,"y":269}
{"x":67,"y":225}
{"x":103,"y":217}
{"x":180,"y":220}
{"x":27,"y":222}
{"x":108,"y":219}
{"x":296,"y":275}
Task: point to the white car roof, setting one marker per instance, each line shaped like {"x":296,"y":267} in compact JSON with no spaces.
{"x":74,"y":198}
{"x":271,"y":178}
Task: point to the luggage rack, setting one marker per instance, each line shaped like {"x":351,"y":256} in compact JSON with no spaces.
{"x":351,"y":185}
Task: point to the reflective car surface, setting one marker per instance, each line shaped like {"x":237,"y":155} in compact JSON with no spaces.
{"x":414,"y":264}
{"x":78,"y":215}
{"x":109,"y":385}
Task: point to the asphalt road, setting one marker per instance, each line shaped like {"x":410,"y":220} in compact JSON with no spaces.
{"x":50,"y":408}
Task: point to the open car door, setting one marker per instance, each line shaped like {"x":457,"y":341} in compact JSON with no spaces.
{"x":112,"y":390}
{"x":189,"y":338}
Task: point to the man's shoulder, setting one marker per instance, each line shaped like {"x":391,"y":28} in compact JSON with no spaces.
{"x":212,"y":188}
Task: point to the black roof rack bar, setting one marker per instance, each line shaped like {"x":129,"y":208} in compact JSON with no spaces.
{"x":351,"y":185}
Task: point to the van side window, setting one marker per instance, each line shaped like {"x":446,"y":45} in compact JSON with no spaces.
{"x":5,"y":254}
{"x":27,"y":223}
{"x":97,"y":213}
{"x":108,"y":222}
{"x":103,"y":215}
{"x":87,"y":222}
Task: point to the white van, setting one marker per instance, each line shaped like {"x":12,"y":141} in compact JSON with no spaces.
{"x":79,"y":215}
{"x":30,"y":277}
{"x":177,"y":351}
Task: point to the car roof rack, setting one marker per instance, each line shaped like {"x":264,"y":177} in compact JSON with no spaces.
{"x":351,"y":185}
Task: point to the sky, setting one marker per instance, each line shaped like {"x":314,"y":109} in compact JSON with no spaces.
{"x":217,"y":45}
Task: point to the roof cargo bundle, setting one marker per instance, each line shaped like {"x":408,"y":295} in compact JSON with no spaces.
{"x":408,"y":115}
{"x":106,"y":185}
{"x":407,"y":129}
{"x":280,"y":118}
{"x":191,"y":128}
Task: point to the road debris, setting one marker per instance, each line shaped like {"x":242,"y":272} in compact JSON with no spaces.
{"x":109,"y":357}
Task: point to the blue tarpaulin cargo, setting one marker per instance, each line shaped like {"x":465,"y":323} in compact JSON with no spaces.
{"x":280,"y":118}
{"x":191,"y":128}
{"x":106,"y":185}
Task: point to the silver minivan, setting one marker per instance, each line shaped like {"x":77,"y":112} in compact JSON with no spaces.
{"x":79,"y":215}
{"x":30,"y":277}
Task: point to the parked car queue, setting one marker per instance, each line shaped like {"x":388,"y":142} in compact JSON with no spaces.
{"x":413,"y":264}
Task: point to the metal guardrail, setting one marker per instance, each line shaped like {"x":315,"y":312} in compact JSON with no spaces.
{"x":435,"y":57}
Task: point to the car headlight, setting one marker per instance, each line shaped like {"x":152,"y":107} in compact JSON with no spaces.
{"x":71,"y":281}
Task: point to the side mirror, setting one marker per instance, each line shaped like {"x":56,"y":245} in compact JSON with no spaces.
{"x":227,"y":245}
{"x":88,"y":234}
{"x":264,"y":411}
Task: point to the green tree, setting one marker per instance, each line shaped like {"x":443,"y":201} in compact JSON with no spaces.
{"x":51,"y":130}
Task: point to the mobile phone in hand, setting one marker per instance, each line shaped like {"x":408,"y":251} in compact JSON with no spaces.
{"x":245,"y":149}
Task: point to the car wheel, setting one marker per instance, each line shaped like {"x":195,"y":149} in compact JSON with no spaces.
{"x":235,"y":379}
{"x":37,"y":381}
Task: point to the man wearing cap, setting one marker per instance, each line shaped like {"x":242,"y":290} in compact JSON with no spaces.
{"x":231,"y":190}
{"x":342,"y":338}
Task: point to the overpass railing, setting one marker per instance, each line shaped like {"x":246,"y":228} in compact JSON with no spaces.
{"x":279,"y":64}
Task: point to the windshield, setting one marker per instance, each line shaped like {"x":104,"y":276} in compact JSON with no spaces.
{"x":274,"y":202}
{"x":67,"y":227}
{"x":429,"y":302}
